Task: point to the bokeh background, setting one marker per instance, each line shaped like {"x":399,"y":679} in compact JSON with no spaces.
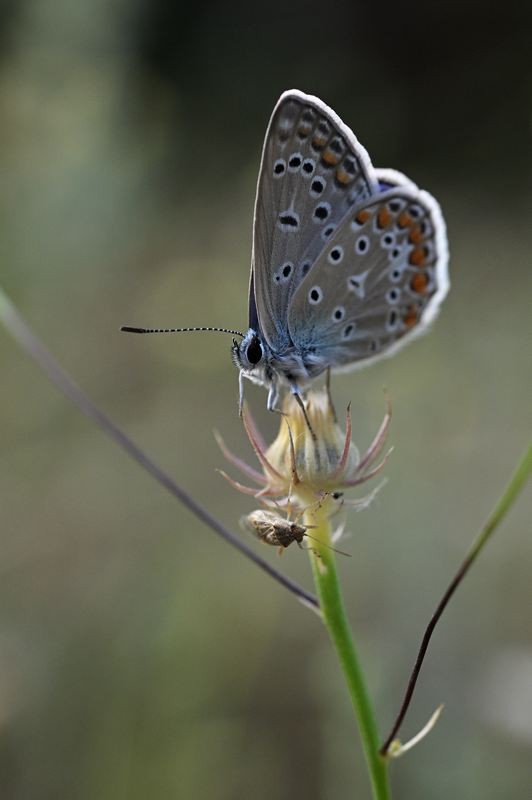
{"x":139,"y":655}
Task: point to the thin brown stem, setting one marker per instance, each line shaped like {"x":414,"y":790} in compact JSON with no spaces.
{"x":31,"y":344}
{"x":421,"y":655}
{"x":518,"y":480}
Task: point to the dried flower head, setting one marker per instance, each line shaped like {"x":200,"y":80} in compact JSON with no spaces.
{"x":311,"y":456}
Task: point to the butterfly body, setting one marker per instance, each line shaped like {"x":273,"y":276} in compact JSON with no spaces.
{"x":349,"y":262}
{"x":292,"y":367}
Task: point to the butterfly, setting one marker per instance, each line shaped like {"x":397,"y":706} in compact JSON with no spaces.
{"x":349,"y":262}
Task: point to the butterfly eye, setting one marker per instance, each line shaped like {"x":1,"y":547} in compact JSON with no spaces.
{"x":254,"y":351}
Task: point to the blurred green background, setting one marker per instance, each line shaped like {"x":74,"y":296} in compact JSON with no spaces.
{"x":139,"y":655}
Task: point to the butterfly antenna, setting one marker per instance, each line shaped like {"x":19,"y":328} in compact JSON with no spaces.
{"x":130,"y":329}
{"x":341,"y":552}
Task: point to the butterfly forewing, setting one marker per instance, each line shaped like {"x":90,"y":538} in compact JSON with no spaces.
{"x":378,"y":282}
{"x":313,"y":172}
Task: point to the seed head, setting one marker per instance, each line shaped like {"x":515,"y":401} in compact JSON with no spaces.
{"x":311,"y":456}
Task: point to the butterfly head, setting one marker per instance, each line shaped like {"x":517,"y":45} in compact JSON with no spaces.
{"x":250,"y":353}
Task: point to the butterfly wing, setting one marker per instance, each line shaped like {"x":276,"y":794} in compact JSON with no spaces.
{"x":379,"y":281}
{"x":313,"y":170}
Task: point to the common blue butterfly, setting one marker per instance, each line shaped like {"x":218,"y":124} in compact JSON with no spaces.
{"x":349,"y":262}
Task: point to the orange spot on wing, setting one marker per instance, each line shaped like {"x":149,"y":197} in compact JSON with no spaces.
{"x":318,"y":141}
{"x":362,"y":216}
{"x":404,"y":220}
{"x":410,"y":318}
{"x":330,"y":157}
{"x":415,"y":235}
{"x":383,"y":217}
{"x":342,"y":176}
{"x":419,"y":283}
{"x":417,"y":257}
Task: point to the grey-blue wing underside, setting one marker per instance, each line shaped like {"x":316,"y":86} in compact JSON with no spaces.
{"x":377,"y":284}
{"x":313,"y":173}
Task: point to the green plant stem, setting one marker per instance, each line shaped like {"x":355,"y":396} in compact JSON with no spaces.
{"x":520,"y":476}
{"x":334,"y":616}
{"x":522,"y":473}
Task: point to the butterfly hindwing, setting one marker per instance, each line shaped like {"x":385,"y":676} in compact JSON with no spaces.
{"x":313,"y":171}
{"x":379,"y":281}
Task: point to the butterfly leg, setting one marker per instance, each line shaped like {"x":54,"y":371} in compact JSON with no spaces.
{"x":241,"y":378}
{"x":301,"y":404}
{"x":273,"y":396}
{"x":329,"y":395}
{"x":310,"y":549}
{"x":312,"y":510}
